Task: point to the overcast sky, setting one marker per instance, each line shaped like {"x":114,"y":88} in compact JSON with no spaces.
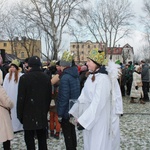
{"x":137,"y":36}
{"x":136,"y":39}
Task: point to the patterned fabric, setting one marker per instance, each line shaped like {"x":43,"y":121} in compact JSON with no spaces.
{"x":66,"y":59}
{"x":67,"y":56}
{"x":97,"y":56}
{"x":15,"y":62}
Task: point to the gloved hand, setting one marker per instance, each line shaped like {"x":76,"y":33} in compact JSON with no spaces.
{"x":80,"y":127}
{"x":136,"y":87}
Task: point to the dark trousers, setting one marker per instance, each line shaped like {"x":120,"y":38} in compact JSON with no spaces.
{"x":123,"y":90}
{"x":41,"y":136}
{"x":6,"y":145}
{"x":145,"y":91}
{"x":69,"y":134}
{"x":129,"y":84}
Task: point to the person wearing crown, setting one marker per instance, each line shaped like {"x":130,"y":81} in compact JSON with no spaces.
{"x":69,"y":89}
{"x":94,"y":110}
{"x":10,"y":84}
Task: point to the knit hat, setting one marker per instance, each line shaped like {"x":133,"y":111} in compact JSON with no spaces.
{"x":15,"y":63}
{"x":66,"y":59}
{"x":97,"y":56}
{"x":34,"y":61}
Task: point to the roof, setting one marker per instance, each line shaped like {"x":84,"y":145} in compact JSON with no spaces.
{"x":10,"y":57}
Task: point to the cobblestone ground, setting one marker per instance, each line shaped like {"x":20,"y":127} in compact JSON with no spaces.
{"x":134,"y":126}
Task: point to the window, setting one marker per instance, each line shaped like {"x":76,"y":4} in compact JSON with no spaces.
{"x":77,"y":46}
{"x":82,"y":46}
{"x":73,"y":46}
{"x":94,"y":46}
{"x":5,"y":44}
{"x":82,"y":52}
{"x":88,"y":46}
{"x":22,"y":54}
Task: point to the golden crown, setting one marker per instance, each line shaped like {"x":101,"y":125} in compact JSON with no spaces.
{"x":67,"y":56}
{"x":15,"y":62}
{"x":97,"y":56}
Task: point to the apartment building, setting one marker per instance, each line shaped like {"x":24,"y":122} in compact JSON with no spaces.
{"x":82,"y":49}
{"x":22,"y":48}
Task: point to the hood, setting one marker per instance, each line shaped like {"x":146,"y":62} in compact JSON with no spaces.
{"x":73,"y":71}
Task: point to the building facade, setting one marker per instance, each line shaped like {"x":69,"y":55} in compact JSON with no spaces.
{"x":23,"y":48}
{"x":82,"y":49}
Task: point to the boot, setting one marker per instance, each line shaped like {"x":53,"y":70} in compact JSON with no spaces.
{"x":141,"y":101}
{"x":56,"y":136}
{"x":132,"y":100}
{"x":52,"y":133}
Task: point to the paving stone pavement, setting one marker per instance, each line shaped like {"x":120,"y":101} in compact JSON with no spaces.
{"x":134,"y":126}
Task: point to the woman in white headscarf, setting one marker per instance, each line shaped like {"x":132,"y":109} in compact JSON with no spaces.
{"x":136,"y":89}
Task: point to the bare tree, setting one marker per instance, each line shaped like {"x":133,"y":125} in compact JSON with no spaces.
{"x":20,"y":31}
{"x":145,"y":52}
{"x":108,"y":21}
{"x":146,"y":23}
{"x":51,"y":16}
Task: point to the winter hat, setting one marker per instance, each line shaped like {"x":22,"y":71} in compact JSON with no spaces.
{"x":66,"y":59}
{"x":15,"y":63}
{"x":136,"y":67}
{"x":97,"y":56}
{"x":34,"y":61}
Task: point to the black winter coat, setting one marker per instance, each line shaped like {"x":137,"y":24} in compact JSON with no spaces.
{"x":34,"y":96}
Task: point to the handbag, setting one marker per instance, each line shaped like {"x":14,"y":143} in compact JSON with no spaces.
{"x":139,"y":84}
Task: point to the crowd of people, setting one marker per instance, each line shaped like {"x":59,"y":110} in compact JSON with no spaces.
{"x":134,"y":81}
{"x":96,"y":88}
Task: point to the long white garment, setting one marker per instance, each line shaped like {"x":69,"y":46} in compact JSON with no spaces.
{"x":116,"y":104}
{"x":93,"y":112}
{"x":117,"y":110}
{"x":11,"y":88}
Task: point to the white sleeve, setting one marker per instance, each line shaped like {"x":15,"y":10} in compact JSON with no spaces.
{"x":118,"y":99}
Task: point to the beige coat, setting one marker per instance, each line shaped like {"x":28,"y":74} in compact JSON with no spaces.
{"x":136,"y":93}
{"x":6,"y":130}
